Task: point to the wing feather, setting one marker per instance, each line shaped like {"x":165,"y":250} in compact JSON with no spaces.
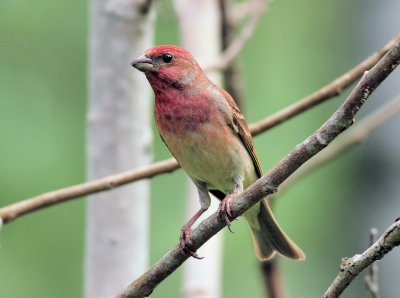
{"x":239,"y":126}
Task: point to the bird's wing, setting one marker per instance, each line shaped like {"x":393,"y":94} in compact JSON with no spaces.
{"x":239,"y":126}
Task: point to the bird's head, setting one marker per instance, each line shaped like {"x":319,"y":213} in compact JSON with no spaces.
{"x":170,"y":66}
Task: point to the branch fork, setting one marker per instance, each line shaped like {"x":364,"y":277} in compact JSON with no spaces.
{"x":351,"y":267}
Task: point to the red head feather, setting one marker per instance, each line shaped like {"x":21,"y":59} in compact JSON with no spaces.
{"x":173,"y":50}
{"x":173,"y":67}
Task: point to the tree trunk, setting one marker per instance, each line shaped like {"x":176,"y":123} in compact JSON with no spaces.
{"x":118,"y":139}
{"x":200,"y":33}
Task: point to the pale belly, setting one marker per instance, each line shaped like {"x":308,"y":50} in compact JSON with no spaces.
{"x":213,"y":156}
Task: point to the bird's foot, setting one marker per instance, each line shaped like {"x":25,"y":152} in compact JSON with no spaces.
{"x":224,"y":211}
{"x":186,"y":243}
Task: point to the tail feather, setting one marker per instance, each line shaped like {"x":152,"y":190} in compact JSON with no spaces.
{"x":268,"y":237}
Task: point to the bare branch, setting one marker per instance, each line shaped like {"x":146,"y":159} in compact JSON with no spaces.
{"x":239,"y":11}
{"x":371,"y":280}
{"x":13,"y":211}
{"x":348,"y":140}
{"x":351,"y":267}
{"x":232,"y":78}
{"x":242,"y":37}
{"x":272,"y":278}
{"x":332,"y":89}
{"x":268,"y":184}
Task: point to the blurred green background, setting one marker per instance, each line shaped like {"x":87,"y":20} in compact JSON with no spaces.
{"x":298,"y":47}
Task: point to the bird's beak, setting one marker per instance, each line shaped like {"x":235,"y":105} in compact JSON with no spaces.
{"x":143,"y":63}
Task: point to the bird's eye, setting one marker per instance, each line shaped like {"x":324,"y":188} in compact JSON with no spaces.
{"x":167,"y":58}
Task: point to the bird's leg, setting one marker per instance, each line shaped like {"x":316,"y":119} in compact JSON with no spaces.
{"x":185,"y":240}
{"x":224,"y":211}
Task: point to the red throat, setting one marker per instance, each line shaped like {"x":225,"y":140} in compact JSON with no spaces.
{"x":175,"y":113}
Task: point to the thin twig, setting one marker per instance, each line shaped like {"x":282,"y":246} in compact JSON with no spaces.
{"x":268,"y":184}
{"x":351,"y":267}
{"x":241,"y":10}
{"x":371,"y":280}
{"x":13,"y":211}
{"x":241,"y":38}
{"x":332,"y":89}
{"x":348,"y":140}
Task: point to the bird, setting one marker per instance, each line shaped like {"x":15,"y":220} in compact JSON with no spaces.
{"x":207,"y":134}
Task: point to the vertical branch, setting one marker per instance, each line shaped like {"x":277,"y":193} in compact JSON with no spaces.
{"x":119,"y":138}
{"x":200,"y":33}
{"x":272,"y":278}
{"x":270,"y":272}
{"x":232,"y":80}
{"x":371,"y":280}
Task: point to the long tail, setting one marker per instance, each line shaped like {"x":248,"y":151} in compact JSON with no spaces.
{"x":268,"y":237}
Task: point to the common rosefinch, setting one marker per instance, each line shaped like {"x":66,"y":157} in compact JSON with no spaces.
{"x":207,"y":134}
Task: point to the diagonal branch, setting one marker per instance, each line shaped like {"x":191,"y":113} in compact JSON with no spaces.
{"x":13,"y":211}
{"x":268,"y":184}
{"x":242,"y":37}
{"x":331,"y":90}
{"x":348,"y":140}
{"x":351,"y":267}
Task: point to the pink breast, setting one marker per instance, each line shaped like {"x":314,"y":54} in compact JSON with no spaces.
{"x":176,"y":113}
